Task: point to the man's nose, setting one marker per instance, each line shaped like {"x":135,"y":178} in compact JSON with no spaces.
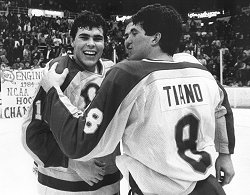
{"x":91,"y":43}
{"x":127,"y":43}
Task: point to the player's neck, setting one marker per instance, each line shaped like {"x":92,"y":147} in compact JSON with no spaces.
{"x":83,"y":67}
{"x":160,"y":56}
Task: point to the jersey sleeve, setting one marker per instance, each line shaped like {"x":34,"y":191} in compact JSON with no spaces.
{"x":221,"y":138}
{"x":37,"y":138}
{"x":85,"y":135}
{"x":229,"y":121}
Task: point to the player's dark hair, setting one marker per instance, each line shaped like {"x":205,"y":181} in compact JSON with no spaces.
{"x":90,"y":20}
{"x":166,"y":20}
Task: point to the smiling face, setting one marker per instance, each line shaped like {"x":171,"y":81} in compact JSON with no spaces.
{"x":137,"y":44}
{"x":88,"y":47}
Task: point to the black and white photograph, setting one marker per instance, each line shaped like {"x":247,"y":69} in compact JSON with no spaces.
{"x":124,"y":97}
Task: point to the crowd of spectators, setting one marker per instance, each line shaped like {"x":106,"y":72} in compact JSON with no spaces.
{"x":31,"y":41}
{"x":232,"y":36}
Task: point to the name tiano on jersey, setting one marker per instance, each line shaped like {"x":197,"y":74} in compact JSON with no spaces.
{"x":182,"y":94}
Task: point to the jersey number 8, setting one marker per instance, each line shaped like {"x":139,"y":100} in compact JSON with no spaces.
{"x":190,"y":144}
{"x":93,"y":120}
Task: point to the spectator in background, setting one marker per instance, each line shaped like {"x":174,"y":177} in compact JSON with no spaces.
{"x":42,"y":39}
{"x":17,"y":50}
{"x":247,"y":51}
{"x":35,"y":54}
{"x":186,"y":50}
{"x":3,"y":65}
{"x":42,"y":60}
{"x":21,"y":65}
{"x":16,"y":64}
{"x":27,"y":53}
{"x":27,"y":26}
{"x":49,"y":40}
{"x":33,"y":42}
{"x":63,"y":52}
{"x":208,"y":38}
{"x":3,"y":54}
{"x":201,"y":59}
{"x":37,"y":63}
{"x":57,"y":41}
{"x":27,"y":65}
{"x":241,"y":70}
{"x":246,"y":61}
{"x":49,"y":53}
{"x":10,"y":49}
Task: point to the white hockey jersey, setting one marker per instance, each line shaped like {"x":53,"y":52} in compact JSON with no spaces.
{"x":164,"y":113}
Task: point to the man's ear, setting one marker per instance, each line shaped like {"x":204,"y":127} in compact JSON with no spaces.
{"x":156,"y":38}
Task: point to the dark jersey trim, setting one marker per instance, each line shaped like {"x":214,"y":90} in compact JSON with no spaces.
{"x":77,"y":186}
{"x":134,"y":186}
{"x":36,"y":143}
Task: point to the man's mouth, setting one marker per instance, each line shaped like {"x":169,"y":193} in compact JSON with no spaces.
{"x":90,"y":53}
{"x":128,"y":50}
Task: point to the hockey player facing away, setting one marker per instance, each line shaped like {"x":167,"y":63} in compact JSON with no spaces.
{"x":164,"y":112}
{"x":57,"y":174}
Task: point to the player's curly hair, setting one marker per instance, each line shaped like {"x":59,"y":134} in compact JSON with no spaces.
{"x":166,"y":20}
{"x":88,"y":19}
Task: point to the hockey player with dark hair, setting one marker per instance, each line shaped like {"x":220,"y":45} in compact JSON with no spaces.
{"x":57,"y":174}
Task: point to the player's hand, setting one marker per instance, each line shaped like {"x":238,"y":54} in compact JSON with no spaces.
{"x":224,"y":169}
{"x":51,"y":78}
{"x":91,"y":171}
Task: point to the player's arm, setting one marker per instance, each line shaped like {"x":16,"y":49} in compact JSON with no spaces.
{"x":221,"y":138}
{"x":89,"y":134}
{"x":37,"y":138}
{"x":39,"y":142}
{"x":224,"y":166}
{"x":229,"y":121}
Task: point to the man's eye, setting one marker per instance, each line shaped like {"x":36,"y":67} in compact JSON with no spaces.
{"x":125,"y":37}
{"x":98,"y":39}
{"x":134,"y":33}
{"x":84,"y":38}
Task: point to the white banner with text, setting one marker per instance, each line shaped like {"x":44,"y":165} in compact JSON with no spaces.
{"x":17,"y":90}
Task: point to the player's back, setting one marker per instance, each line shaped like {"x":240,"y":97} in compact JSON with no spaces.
{"x":172,"y":124}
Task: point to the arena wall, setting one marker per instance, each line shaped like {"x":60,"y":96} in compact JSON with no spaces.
{"x":239,"y":97}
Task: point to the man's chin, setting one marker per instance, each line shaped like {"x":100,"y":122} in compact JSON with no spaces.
{"x":89,"y":65}
{"x":133,"y":58}
{"x":130,"y":57}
